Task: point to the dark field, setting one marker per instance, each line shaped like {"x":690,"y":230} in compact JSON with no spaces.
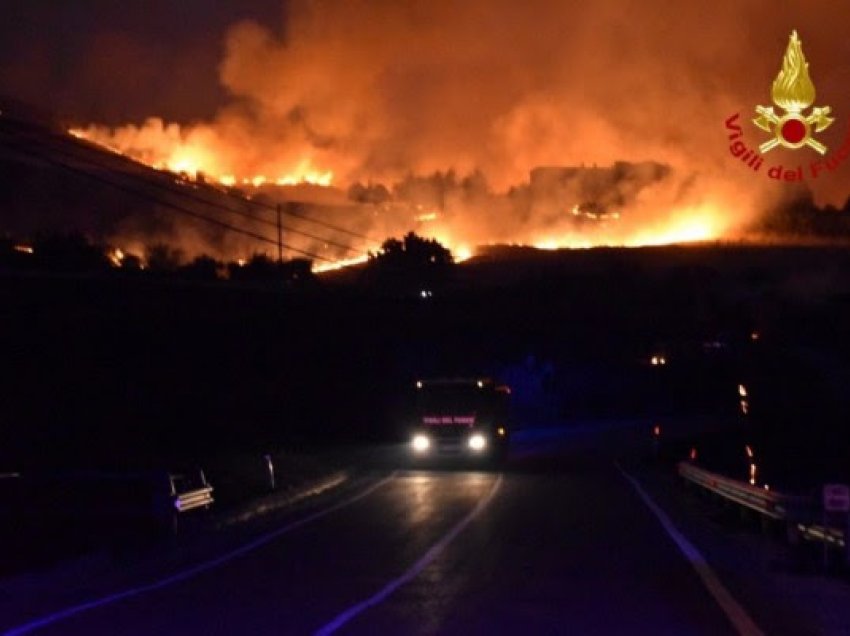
{"x":119,"y":371}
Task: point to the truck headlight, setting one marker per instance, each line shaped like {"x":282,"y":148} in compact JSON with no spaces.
{"x":420,"y":443}
{"x":477,"y":442}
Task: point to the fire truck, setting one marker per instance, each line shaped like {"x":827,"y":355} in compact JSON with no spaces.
{"x":460,"y":417}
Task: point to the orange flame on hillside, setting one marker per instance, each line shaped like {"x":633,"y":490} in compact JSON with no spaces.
{"x":459,"y":227}
{"x":181,"y":155}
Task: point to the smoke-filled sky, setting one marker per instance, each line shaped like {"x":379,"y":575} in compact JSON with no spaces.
{"x":114,"y":62}
{"x":379,"y":89}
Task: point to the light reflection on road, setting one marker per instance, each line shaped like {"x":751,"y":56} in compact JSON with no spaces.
{"x":426,"y":489}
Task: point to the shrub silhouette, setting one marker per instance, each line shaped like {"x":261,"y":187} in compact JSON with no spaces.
{"x":69,"y":253}
{"x":202,"y":268}
{"x":162,"y":258}
{"x":409,"y":263}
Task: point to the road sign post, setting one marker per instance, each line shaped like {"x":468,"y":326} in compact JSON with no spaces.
{"x":836,"y":504}
{"x":836,"y":498}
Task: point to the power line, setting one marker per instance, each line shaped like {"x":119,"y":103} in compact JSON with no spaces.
{"x":330,"y":226}
{"x":159,"y":201}
{"x":92,"y":146}
{"x":156,"y":180}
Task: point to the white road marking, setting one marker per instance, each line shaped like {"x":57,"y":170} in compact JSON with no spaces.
{"x":195,"y":570}
{"x":414,"y":570}
{"x":733,"y":610}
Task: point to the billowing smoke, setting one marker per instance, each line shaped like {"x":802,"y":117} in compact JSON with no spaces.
{"x":451,"y":105}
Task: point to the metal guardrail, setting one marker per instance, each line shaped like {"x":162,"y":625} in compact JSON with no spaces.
{"x":814,"y":532}
{"x":798,"y":512}
{"x":119,"y":497}
{"x":767,"y":502}
{"x":187,"y":494}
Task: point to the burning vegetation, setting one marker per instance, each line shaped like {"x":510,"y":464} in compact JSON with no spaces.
{"x":475,"y":124}
{"x":412,"y":135}
{"x":558,"y":207}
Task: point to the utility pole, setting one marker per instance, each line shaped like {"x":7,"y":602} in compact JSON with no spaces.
{"x":279,"y":238}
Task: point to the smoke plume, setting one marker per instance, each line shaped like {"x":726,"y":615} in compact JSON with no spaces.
{"x":387,"y":92}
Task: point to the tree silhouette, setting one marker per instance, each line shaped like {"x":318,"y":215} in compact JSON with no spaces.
{"x":69,"y":253}
{"x":410,"y":263}
{"x":162,"y":258}
{"x":369,"y":193}
{"x":202,"y":268}
{"x":261,"y":268}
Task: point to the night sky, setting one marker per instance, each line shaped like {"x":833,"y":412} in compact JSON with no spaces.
{"x":120,"y":61}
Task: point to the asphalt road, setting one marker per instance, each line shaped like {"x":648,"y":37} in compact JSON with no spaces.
{"x":558,"y":541}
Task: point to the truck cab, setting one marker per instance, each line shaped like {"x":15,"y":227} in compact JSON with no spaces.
{"x":465,"y":418}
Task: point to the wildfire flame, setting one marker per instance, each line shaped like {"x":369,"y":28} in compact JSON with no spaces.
{"x":116,"y":257}
{"x":398,"y":115}
{"x":693,"y":225}
{"x":192,"y":159}
{"x":320,"y":268}
{"x":462,"y":253}
{"x":576,"y":227}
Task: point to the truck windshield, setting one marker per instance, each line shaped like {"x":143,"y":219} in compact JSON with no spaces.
{"x":459,"y":399}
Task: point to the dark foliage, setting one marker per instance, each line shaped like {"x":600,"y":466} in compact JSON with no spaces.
{"x":262,"y":269}
{"x":202,"y":268}
{"x":802,"y":219}
{"x":370,"y":193}
{"x":162,"y":258}
{"x":68,"y":253}
{"x":410,"y":263}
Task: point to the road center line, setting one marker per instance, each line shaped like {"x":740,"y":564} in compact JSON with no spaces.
{"x":414,"y":570}
{"x":195,"y":570}
{"x":733,"y":610}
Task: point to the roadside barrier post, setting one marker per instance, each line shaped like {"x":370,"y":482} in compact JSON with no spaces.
{"x":847,"y":539}
{"x":836,"y":504}
{"x":270,"y":467}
